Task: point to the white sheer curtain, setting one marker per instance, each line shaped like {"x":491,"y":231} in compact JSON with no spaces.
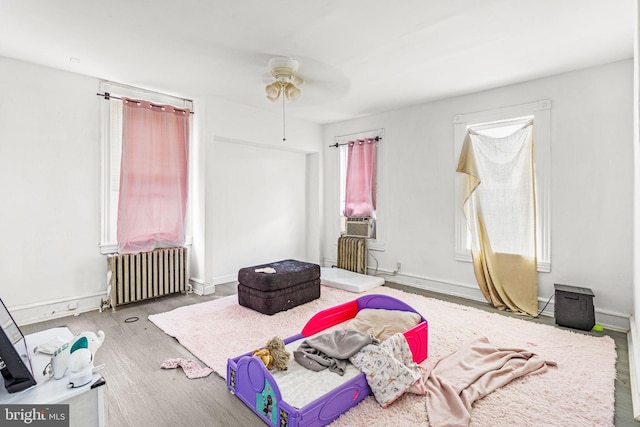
{"x":501,"y":215}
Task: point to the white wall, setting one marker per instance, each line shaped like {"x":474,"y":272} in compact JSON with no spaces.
{"x":50,"y":178}
{"x":50,"y":186}
{"x":261,"y":217}
{"x":261,"y":194}
{"x":591,"y":187}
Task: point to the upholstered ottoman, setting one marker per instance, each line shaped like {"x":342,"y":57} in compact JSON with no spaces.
{"x":278,"y":286}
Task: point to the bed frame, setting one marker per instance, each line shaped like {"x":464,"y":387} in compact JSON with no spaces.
{"x":253,"y":383}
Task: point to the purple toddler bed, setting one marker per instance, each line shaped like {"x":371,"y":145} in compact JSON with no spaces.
{"x":258,"y":388}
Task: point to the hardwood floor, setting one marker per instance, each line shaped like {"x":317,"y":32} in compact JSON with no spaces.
{"x":140,"y":394}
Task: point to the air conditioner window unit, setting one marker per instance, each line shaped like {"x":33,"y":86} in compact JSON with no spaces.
{"x":360,"y":226}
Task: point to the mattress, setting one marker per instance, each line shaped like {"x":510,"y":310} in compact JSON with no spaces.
{"x":288,"y":272}
{"x":271,"y":302}
{"x":348,"y":280}
{"x":294,"y":382}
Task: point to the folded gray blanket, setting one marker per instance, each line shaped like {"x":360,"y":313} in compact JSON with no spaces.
{"x":331,"y":350}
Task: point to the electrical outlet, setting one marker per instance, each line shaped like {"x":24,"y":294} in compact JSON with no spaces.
{"x":398,"y":265}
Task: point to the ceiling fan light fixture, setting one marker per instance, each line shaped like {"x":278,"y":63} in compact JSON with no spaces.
{"x":291,"y":92}
{"x":273,"y":91}
{"x":282,"y":67}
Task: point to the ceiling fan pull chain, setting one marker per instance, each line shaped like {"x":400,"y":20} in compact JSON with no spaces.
{"x":284,"y":135}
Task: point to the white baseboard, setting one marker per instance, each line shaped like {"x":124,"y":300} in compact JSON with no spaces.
{"x":221,"y":280}
{"x":54,"y":309}
{"x":633,"y":340}
{"x":448,"y":288}
{"x":200,"y":287}
{"x":610,"y":320}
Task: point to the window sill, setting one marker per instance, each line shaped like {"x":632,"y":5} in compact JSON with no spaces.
{"x":112,"y":248}
{"x":108,"y":248}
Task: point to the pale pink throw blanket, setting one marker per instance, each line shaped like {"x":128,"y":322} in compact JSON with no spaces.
{"x":471,"y":373}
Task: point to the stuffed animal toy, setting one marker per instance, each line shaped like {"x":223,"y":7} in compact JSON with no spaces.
{"x":274,"y":354}
{"x":279,"y":353}
{"x":265,"y":356}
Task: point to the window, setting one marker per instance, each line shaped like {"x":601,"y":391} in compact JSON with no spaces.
{"x":502,"y":122}
{"x":372,"y":139}
{"x":111,"y":136}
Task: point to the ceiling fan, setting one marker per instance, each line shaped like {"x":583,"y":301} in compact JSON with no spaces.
{"x":284,"y":70}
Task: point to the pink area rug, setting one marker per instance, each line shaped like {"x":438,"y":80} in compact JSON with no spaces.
{"x":579,"y":392}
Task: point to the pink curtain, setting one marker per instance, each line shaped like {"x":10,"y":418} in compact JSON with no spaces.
{"x":360,"y":191}
{"x":153,"y":176}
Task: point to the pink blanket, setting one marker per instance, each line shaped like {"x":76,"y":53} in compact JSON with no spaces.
{"x":471,"y":373}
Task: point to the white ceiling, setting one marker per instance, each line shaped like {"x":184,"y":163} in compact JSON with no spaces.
{"x":358,"y":57}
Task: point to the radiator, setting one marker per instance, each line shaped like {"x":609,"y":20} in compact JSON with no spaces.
{"x":137,"y":277}
{"x":352,"y":254}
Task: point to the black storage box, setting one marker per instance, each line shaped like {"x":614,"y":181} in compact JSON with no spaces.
{"x":293,"y":283}
{"x":574,"y":307}
{"x":289,"y":272}
{"x":272,"y":302}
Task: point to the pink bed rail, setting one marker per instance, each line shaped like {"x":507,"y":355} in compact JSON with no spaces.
{"x":341,"y":313}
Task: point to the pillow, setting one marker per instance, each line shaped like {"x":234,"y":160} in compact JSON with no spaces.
{"x":382,"y":323}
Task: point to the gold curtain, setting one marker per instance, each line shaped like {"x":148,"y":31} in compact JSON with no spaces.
{"x":500,"y":209}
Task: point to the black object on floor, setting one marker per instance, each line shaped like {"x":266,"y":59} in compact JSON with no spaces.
{"x":574,"y":307}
